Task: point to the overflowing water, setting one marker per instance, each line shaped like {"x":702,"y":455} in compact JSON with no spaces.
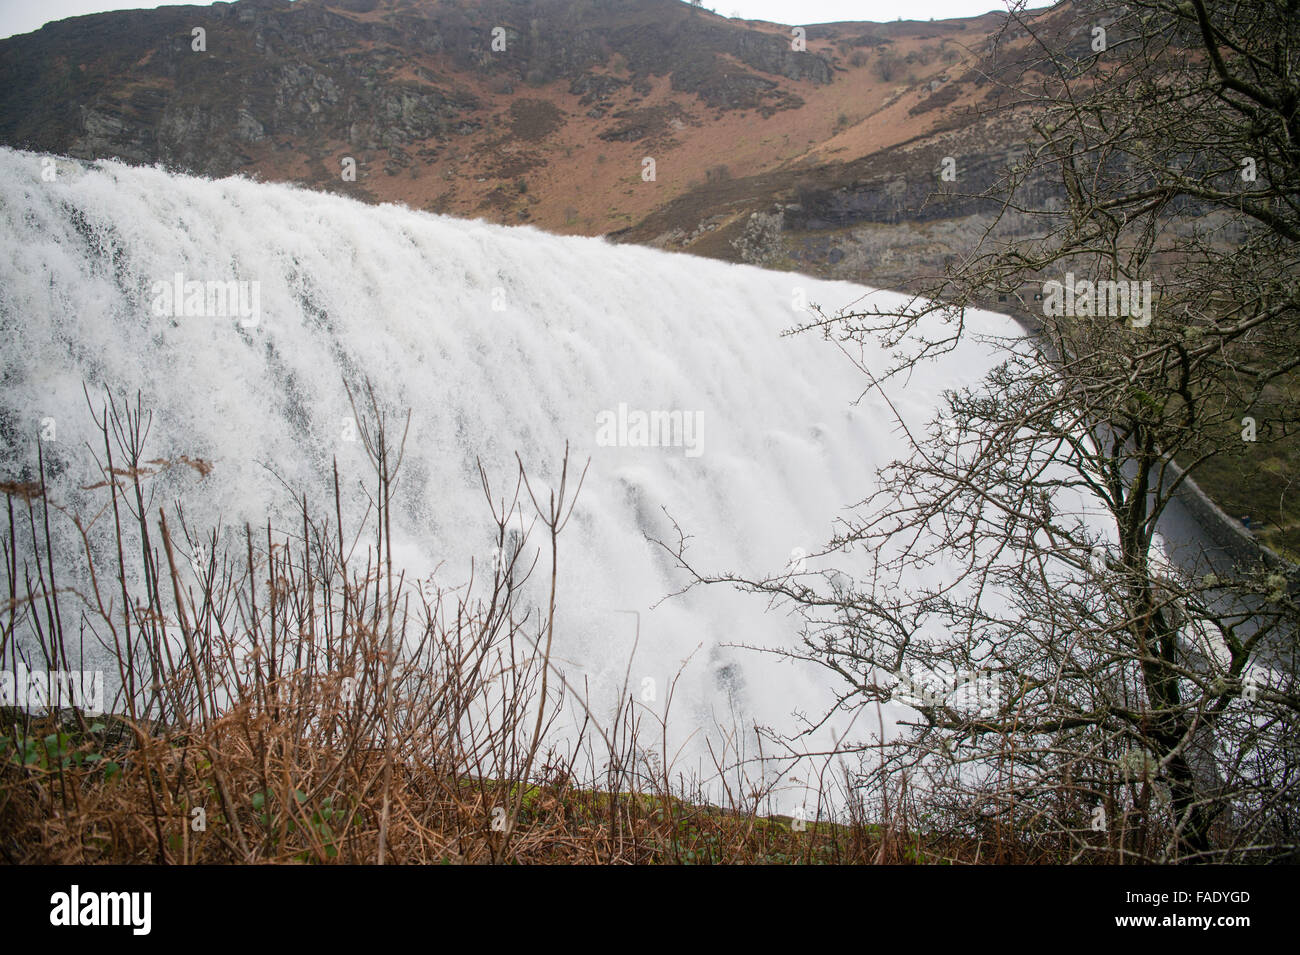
{"x":237,"y":309}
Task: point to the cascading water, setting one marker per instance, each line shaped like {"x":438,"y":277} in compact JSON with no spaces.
{"x":500,"y":340}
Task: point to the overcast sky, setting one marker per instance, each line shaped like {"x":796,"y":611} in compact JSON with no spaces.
{"x":23,"y":16}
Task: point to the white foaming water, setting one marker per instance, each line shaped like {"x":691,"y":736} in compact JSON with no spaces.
{"x":407,"y":300}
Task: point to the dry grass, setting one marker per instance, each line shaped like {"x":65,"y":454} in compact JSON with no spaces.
{"x":297,"y":700}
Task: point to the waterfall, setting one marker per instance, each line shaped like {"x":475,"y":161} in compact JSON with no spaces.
{"x":237,"y":308}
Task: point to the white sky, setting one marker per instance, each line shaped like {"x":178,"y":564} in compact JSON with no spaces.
{"x":23,"y":16}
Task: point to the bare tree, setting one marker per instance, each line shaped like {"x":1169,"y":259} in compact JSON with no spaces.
{"x":1080,"y":695}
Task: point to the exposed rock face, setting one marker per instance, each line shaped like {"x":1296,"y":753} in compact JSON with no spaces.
{"x":892,"y":196}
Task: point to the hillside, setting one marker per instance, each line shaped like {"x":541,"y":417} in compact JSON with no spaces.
{"x":553,"y":129}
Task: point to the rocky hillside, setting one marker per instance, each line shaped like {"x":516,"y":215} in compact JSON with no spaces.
{"x":550,"y":112}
